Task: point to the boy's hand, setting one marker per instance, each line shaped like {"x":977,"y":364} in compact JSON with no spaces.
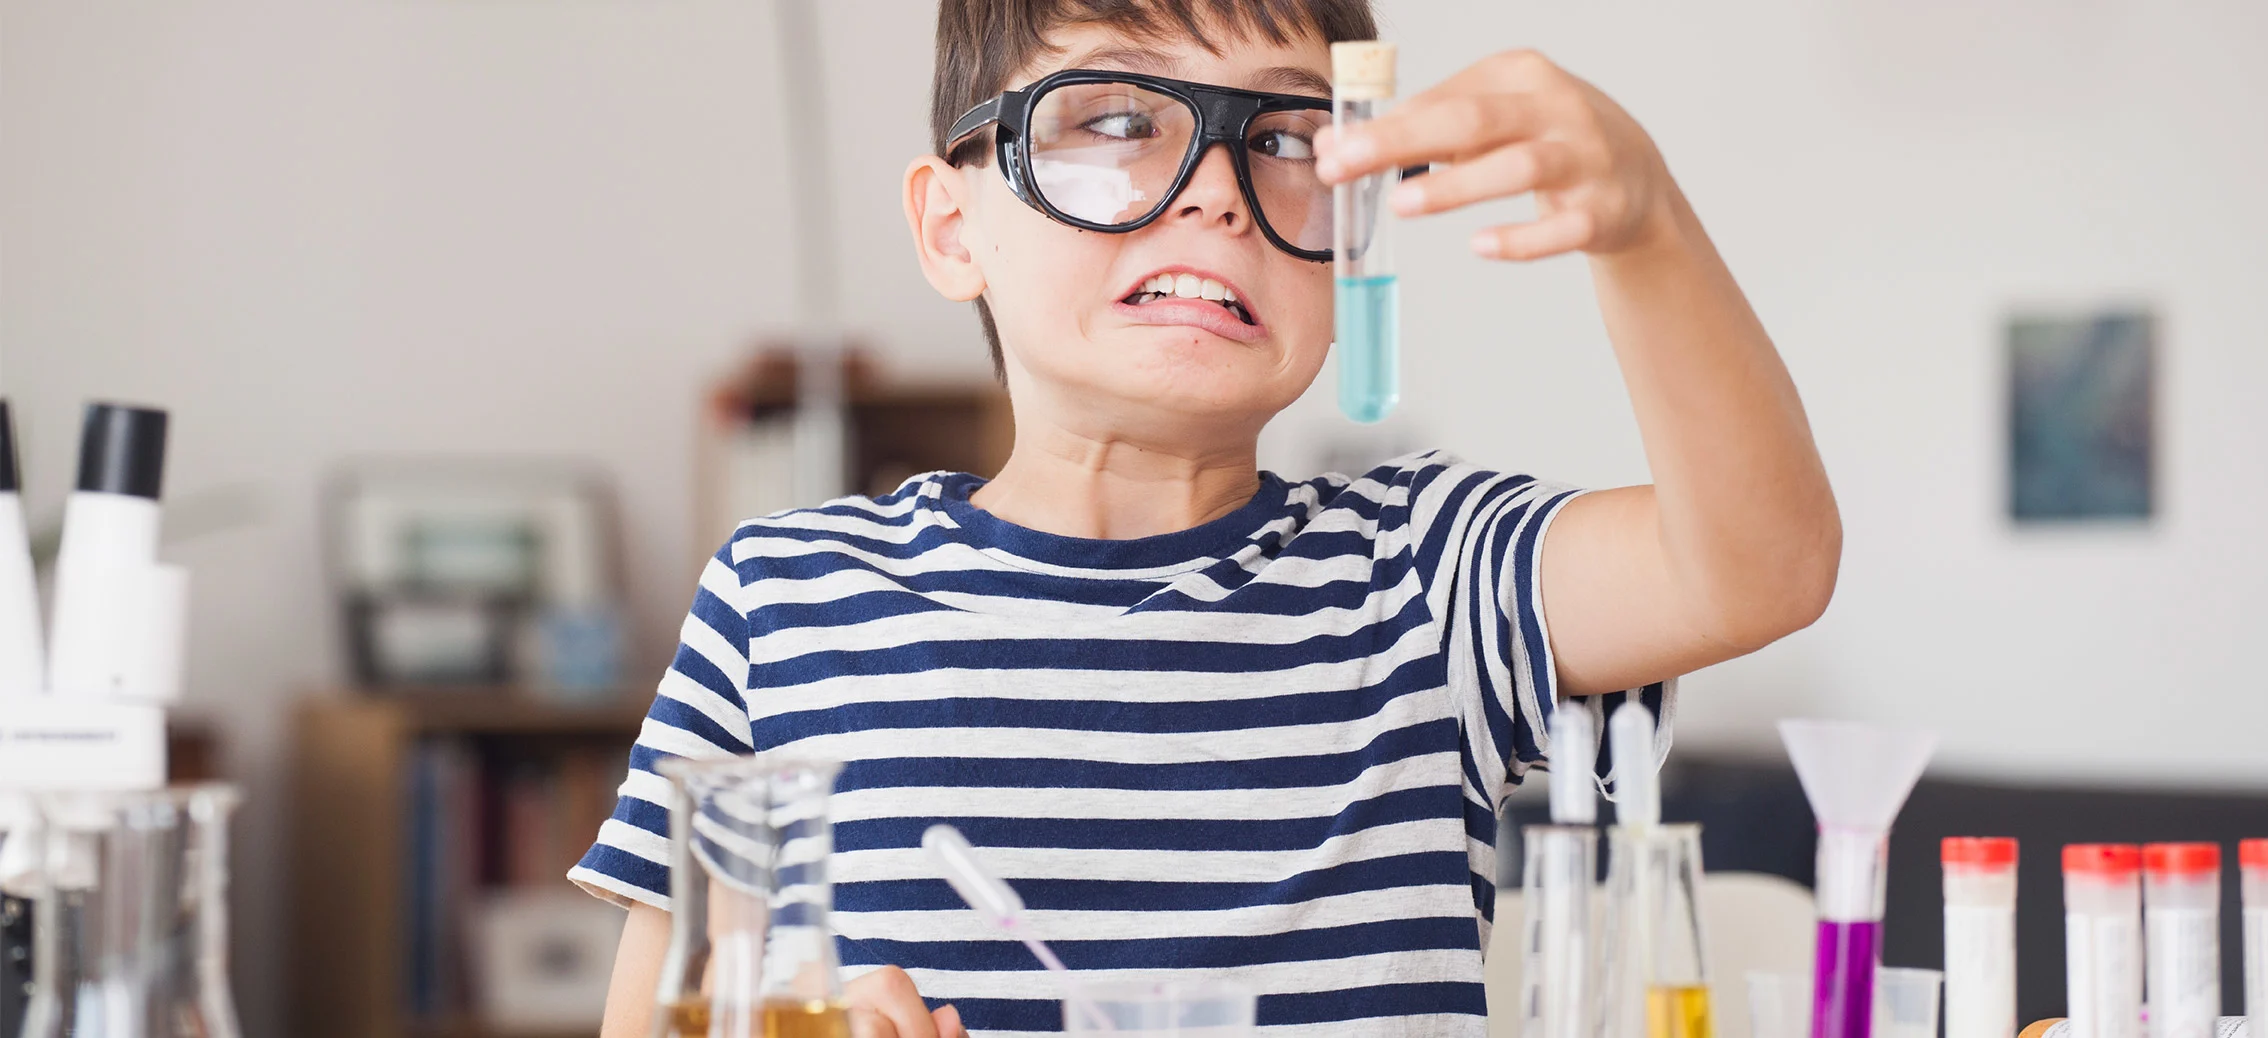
{"x":1513,"y":123}
{"x":884,"y":1004}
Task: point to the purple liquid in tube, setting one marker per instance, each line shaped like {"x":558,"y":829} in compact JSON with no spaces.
{"x":1842,"y":979}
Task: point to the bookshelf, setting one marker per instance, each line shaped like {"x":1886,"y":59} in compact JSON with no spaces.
{"x":356,"y":898}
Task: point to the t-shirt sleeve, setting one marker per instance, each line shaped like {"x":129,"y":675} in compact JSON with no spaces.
{"x":1478,"y":542}
{"x":700,"y":710}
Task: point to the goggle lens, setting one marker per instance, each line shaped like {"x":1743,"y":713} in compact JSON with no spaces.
{"x":1108,"y":153}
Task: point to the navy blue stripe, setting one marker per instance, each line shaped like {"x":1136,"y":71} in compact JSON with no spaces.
{"x":1328,"y":769}
{"x":615,"y":863}
{"x":1426,"y":868}
{"x":1365,"y":1003}
{"x":680,"y":715}
{"x":1161,"y":834}
{"x":1455,"y":933}
{"x":1003,"y":583}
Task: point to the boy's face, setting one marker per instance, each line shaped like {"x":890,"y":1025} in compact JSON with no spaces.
{"x":1081,"y":337}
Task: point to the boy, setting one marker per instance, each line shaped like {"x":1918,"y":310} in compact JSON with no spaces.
{"x":1202,"y":717}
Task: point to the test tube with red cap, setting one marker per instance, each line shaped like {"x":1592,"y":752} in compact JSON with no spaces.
{"x":2102,"y":939}
{"x":1980,"y":936}
{"x":2252,"y":861}
{"x":2181,"y":922}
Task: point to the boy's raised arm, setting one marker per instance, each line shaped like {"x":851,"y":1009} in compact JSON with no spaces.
{"x":1737,"y":541}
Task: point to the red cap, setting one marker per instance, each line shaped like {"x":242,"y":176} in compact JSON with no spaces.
{"x":2101,"y":858}
{"x":2252,"y":854}
{"x":2181,"y":858}
{"x":1993,"y":851}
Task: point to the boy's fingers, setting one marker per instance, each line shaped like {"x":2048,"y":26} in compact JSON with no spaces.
{"x":1560,"y":232}
{"x":866,"y":1023}
{"x":949,"y":1023}
{"x":888,"y":995}
{"x":1510,"y":170}
{"x":1447,"y":128}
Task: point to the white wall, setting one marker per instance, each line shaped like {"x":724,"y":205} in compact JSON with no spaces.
{"x":318,"y":228}
{"x":321,"y":227}
{"x":1887,"y":177}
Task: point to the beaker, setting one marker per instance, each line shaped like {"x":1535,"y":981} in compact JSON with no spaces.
{"x":130,"y":917}
{"x":1658,"y":985}
{"x":752,"y":950}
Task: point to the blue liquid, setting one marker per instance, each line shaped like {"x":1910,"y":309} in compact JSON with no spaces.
{"x":1370,"y":347}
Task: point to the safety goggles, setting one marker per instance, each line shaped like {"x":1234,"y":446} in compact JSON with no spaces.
{"x":1109,"y":151}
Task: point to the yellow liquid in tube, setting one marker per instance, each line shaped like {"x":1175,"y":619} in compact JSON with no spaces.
{"x":1677,"y":1012}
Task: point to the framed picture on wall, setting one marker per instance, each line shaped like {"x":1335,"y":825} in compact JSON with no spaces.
{"x":2082,"y":416}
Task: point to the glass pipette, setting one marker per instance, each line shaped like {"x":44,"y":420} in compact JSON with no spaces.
{"x":995,"y":901}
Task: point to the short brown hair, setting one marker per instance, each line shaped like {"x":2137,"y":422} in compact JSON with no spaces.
{"x":980,"y":43}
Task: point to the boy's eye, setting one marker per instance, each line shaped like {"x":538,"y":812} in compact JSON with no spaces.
{"x":1281,"y":144}
{"x":1126,"y":125}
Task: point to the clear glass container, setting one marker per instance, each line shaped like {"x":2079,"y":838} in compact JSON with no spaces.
{"x":130,"y":917}
{"x":1366,"y":287}
{"x":1558,"y":890}
{"x":1658,"y":983}
{"x":752,"y":949}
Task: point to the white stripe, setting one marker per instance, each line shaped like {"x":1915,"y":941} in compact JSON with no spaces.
{"x":1009,"y":802}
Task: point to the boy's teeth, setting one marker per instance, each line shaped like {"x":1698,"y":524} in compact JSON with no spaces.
{"x":1184,"y":286}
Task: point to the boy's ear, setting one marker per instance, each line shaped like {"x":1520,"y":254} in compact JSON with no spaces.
{"x":937,"y":209}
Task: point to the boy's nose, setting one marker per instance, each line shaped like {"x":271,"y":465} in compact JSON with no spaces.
{"x":1212,"y":195}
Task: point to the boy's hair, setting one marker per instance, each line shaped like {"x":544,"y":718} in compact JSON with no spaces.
{"x":980,"y":43}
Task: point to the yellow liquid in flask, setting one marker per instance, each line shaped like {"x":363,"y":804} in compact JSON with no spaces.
{"x":784,"y":1018}
{"x":1677,"y":1012}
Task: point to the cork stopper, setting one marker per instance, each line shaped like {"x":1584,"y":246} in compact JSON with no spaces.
{"x":1362,"y":70}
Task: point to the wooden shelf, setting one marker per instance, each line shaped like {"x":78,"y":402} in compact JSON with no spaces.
{"x":349,"y":842}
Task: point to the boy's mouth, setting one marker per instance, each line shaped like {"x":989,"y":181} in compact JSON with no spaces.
{"x":1185,"y":285}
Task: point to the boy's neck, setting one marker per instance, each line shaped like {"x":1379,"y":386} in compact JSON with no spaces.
{"x":1071,"y":485}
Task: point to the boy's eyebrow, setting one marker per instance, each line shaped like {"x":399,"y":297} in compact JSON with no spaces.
{"x":1286,"y":79}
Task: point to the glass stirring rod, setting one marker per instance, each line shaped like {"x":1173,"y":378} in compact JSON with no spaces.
{"x":1362,"y":256}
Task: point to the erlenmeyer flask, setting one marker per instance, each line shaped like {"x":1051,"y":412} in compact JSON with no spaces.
{"x":130,"y":931}
{"x":1658,"y":985}
{"x":752,"y":952}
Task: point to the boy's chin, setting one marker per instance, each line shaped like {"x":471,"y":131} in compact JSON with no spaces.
{"x":1230,"y":393}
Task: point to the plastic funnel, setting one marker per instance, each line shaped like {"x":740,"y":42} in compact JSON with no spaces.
{"x":1856,"y":776}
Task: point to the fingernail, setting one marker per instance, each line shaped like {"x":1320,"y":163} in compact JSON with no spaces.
{"x":1487,"y":245}
{"x":1408,"y":199}
{"x":1327,"y":168}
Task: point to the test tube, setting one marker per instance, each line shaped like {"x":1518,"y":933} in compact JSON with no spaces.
{"x":2102,"y":939}
{"x":2181,"y":923}
{"x":2252,"y":861}
{"x":1980,"y":936}
{"x":1362,"y":254}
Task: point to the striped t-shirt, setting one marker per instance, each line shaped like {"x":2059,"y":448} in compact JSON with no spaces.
{"x":1269,"y":748}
